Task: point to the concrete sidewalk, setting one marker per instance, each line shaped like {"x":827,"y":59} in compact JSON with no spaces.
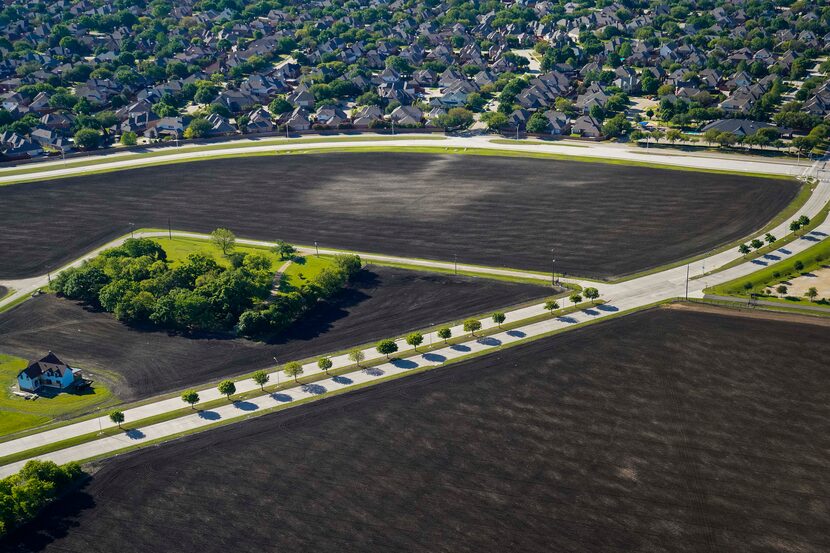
{"x":629,"y":295}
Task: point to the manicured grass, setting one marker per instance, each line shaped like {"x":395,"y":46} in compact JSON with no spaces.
{"x":11,"y":422}
{"x":534,"y":155}
{"x":92,"y":161}
{"x":785,"y":215}
{"x":348,"y":146}
{"x":302,"y":270}
{"x":789,"y":212}
{"x":18,"y":414}
{"x":530,"y":141}
{"x":289,"y":384}
{"x":179,"y":248}
{"x":812,"y":258}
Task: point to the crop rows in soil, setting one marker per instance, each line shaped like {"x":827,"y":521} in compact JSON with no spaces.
{"x":382,"y":302}
{"x":666,"y":431}
{"x":601,"y":220}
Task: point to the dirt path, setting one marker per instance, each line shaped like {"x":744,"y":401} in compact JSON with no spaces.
{"x":747,"y":313}
{"x":820,"y":279}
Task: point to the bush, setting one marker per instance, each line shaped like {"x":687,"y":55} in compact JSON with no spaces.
{"x":87,"y":139}
{"x":198,"y":128}
{"x":25,"y":494}
{"x":129,"y":138}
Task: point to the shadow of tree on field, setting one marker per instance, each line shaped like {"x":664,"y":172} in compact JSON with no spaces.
{"x":54,"y":523}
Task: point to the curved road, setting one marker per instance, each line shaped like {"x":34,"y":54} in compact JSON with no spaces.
{"x":620,"y":297}
{"x":622,"y":152}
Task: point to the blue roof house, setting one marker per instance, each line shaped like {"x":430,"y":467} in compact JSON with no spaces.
{"x":49,"y":372}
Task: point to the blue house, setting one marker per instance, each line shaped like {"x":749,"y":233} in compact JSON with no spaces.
{"x":49,"y":372}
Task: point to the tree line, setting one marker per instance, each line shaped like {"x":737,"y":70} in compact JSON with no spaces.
{"x":25,"y":494}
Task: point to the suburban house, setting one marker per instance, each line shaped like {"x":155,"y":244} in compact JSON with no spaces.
{"x":50,"y":372}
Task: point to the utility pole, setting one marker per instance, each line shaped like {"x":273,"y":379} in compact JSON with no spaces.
{"x":687,"y":282}
{"x":456,"y":263}
{"x":316,"y":247}
{"x":169,"y":229}
{"x":552,"y":269}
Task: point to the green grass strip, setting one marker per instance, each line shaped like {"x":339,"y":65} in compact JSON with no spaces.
{"x":812,"y":257}
{"x":345,"y":147}
{"x":111,"y":157}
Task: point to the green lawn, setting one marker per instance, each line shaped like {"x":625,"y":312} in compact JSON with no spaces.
{"x":770,"y":276}
{"x":18,"y":414}
{"x":179,"y":248}
{"x":302,"y":270}
{"x":97,"y":160}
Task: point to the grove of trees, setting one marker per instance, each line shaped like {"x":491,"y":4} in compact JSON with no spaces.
{"x":24,"y":494}
{"x":136,"y":282}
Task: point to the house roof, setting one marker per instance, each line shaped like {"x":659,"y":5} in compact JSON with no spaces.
{"x":744,"y":127}
{"x":47,"y":363}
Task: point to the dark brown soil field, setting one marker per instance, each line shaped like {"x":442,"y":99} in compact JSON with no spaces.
{"x":383,"y":302}
{"x":667,"y":431}
{"x":602,"y":220}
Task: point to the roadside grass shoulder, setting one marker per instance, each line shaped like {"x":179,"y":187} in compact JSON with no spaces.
{"x":352,"y":146}
{"x":17,"y":413}
{"x":455,"y":150}
{"x":770,"y":276}
{"x":14,"y":303}
{"x":782,"y":217}
{"x":788,"y":212}
{"x":783,"y":308}
{"x":116,"y":156}
{"x":290,"y":384}
{"x":533,"y":142}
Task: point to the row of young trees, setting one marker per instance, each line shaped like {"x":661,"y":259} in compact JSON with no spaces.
{"x":24,"y":494}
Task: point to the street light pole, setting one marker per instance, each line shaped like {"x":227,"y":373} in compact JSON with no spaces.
{"x":456,"y":263}
{"x":687,"y":282}
{"x":552,"y":269}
